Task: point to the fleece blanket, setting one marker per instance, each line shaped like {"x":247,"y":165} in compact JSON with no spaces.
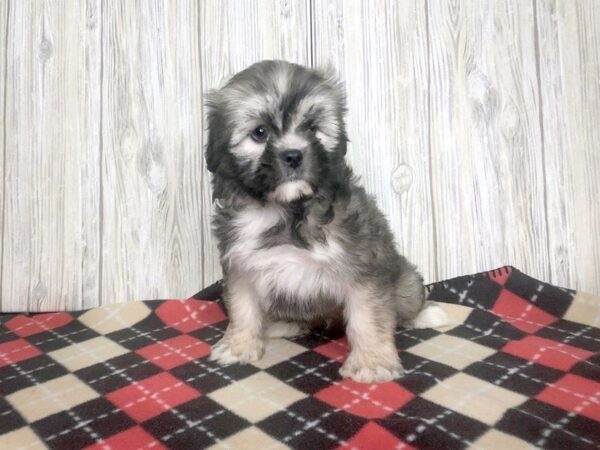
{"x":518,"y":367}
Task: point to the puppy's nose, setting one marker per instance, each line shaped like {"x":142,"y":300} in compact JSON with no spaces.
{"x":291,"y":158}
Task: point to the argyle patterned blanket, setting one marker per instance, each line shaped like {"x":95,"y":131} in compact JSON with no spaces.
{"x":518,"y":367}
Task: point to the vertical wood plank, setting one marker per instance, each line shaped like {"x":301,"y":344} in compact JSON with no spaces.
{"x":47,"y":230}
{"x":381,"y":53}
{"x":486,"y":150}
{"x":235,"y":35}
{"x":91,"y":107}
{"x":152,"y":151}
{"x":4,"y":11}
{"x":569,"y":59}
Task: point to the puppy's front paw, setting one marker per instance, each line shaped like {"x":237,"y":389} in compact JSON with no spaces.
{"x":232,"y":350}
{"x":371,"y":370}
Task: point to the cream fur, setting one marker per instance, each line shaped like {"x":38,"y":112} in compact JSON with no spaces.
{"x":290,"y":191}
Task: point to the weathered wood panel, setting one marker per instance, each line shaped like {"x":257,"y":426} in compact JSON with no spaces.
{"x":91,"y":73}
{"x":50,"y":239}
{"x":235,"y":35}
{"x":486,"y":150}
{"x":151,"y":151}
{"x":569,"y":61}
{"x":474,"y":123}
{"x":381,"y":53}
{"x":3,"y":45}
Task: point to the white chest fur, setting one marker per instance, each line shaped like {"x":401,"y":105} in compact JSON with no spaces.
{"x":285,"y":269}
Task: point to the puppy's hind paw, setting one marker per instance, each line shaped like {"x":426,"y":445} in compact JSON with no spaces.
{"x":431,"y":316}
{"x":231,"y":351}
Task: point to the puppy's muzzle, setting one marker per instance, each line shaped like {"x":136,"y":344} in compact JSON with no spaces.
{"x":291,"y":158}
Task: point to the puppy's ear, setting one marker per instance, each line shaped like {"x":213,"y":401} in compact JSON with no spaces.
{"x":218,"y":136}
{"x":332,"y":77}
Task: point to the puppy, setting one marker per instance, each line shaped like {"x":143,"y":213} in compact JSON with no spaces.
{"x":299,"y":239}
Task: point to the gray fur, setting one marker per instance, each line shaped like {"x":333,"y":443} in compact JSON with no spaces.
{"x":338,"y":209}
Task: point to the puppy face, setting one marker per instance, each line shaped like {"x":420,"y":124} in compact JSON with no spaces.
{"x":276,"y":131}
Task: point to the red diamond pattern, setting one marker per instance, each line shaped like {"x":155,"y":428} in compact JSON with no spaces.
{"x":546,"y":352}
{"x":366,"y":400}
{"x":15,"y":351}
{"x":27,"y":326}
{"x":152,"y":396}
{"x":374,"y":437}
{"x":175,"y":351}
{"x":190,"y":315}
{"x":521,"y":314}
{"x":575,"y":394}
{"x":336,"y":350}
{"x":135,"y":437}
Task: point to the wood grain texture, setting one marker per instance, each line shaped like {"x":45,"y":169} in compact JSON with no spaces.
{"x":151,"y":151}
{"x":47,"y":230}
{"x":569,"y":61}
{"x":235,"y":35}
{"x":474,"y":124}
{"x":381,"y":53}
{"x":4,"y":17}
{"x":486,"y":152}
{"x":91,"y":114}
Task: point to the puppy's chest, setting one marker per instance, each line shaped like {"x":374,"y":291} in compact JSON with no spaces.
{"x":287,"y":254}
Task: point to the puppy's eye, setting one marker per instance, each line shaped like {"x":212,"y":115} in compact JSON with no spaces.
{"x":260,"y":134}
{"x":314,"y":128}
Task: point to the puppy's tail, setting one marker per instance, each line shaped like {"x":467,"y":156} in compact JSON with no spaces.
{"x":431,"y":316}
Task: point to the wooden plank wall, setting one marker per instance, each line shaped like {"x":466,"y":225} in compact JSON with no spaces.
{"x":474,"y":123}
{"x":151,"y":152}
{"x":51,"y":220}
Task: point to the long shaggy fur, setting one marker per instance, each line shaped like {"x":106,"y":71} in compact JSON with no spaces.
{"x":301,"y":245}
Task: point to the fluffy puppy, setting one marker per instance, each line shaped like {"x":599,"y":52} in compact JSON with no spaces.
{"x":300,"y":241}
